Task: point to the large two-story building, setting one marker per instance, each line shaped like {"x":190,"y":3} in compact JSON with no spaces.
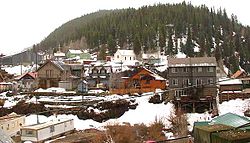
{"x":192,"y":79}
{"x":195,"y":73}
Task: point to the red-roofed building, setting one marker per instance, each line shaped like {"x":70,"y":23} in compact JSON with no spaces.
{"x":27,"y":81}
{"x":239,"y":74}
{"x":141,"y":80}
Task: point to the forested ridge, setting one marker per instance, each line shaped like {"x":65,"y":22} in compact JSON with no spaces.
{"x":182,"y":25}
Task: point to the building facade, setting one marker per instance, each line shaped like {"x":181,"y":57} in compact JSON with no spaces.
{"x":194,"y":77}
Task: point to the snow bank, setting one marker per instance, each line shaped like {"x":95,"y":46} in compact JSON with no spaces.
{"x":144,"y":113}
{"x":237,"y":106}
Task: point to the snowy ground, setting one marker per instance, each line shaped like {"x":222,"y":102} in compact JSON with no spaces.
{"x":144,"y":113}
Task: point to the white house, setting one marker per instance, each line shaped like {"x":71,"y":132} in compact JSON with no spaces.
{"x":12,"y":123}
{"x":44,"y":131}
{"x":124,"y":56}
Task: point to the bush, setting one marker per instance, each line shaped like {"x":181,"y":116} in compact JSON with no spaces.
{"x":179,"y":123}
{"x":137,"y":133}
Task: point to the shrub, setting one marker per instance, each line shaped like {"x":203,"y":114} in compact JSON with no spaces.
{"x":179,"y":123}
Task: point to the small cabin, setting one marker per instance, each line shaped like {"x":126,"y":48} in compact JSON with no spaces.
{"x":47,"y":130}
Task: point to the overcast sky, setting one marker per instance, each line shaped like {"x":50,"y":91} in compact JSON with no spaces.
{"x":27,"y":22}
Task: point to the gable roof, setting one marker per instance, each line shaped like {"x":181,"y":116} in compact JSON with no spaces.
{"x":196,"y":61}
{"x":238,"y":73}
{"x":230,"y":119}
{"x":75,"y":51}
{"x":57,"y":64}
{"x":33,"y":75}
{"x":154,"y":75}
{"x":126,"y":52}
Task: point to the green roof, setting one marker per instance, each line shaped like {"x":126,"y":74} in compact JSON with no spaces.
{"x":231,"y":119}
{"x":202,"y":123}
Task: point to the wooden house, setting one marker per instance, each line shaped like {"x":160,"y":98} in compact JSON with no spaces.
{"x":59,"y":74}
{"x":27,"y":81}
{"x":138,"y":81}
{"x":50,"y":73}
{"x":44,"y":131}
{"x":6,"y":86}
{"x":12,"y":123}
{"x":5,"y":76}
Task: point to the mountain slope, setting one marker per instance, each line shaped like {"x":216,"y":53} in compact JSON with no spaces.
{"x":212,"y":31}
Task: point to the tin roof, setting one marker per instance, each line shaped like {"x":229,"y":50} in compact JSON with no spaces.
{"x":231,"y":119}
{"x":196,"y":61}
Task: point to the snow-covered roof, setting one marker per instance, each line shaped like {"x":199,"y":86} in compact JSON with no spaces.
{"x":75,"y":51}
{"x":150,"y":56}
{"x":46,"y":124}
{"x":197,"y":61}
{"x":125,"y":52}
{"x":228,"y":81}
{"x":59,"y":54}
{"x":156,"y":76}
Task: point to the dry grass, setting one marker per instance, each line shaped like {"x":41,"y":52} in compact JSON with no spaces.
{"x":135,"y":134}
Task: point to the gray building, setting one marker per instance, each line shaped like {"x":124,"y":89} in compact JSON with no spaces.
{"x":99,"y":76}
{"x":192,"y":77}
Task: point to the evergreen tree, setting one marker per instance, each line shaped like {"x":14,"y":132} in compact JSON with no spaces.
{"x":189,"y":47}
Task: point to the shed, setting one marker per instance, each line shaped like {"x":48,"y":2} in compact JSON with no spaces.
{"x":203,"y":134}
{"x":44,"y":131}
{"x":232,"y":136}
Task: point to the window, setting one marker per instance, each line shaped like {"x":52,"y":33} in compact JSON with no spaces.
{"x":174,"y":70}
{"x":29,"y":133}
{"x":103,"y":71}
{"x":130,"y":58}
{"x":117,"y":56}
{"x":210,"y":69}
{"x":47,"y":73}
{"x":179,"y":93}
{"x":186,"y":82}
{"x":8,"y":127}
{"x":185,"y":69}
{"x":52,"y":128}
{"x":175,"y":82}
{"x":51,"y":73}
{"x":125,"y":58}
{"x":147,"y":81}
{"x":199,"y":69}
{"x":198,"y":81}
{"x":210,"y":81}
{"x":2,"y":127}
